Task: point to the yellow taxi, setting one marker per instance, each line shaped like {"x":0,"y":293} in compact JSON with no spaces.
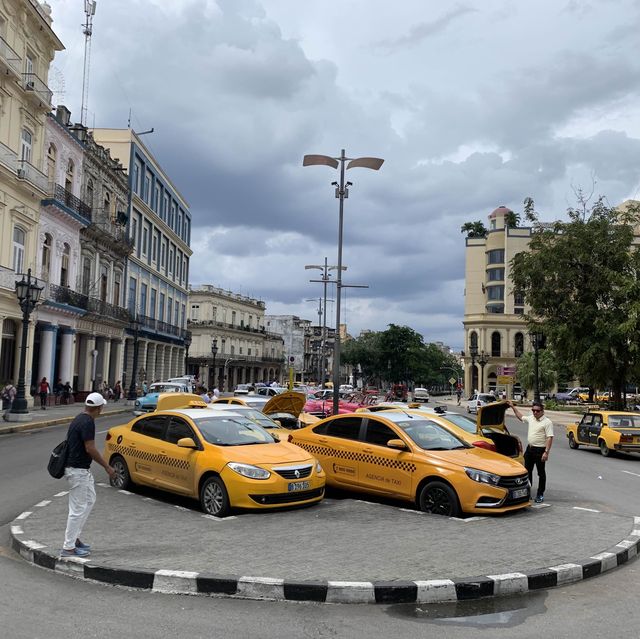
{"x":222,"y":458}
{"x":608,"y":430}
{"x":414,"y":457}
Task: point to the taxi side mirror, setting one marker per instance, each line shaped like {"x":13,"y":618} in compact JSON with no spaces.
{"x":276,"y":437}
{"x":277,"y":421}
{"x":398,"y":444}
{"x":186,"y":442}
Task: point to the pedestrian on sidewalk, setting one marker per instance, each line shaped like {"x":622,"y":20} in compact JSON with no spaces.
{"x":117,"y":391}
{"x":66,"y":393}
{"x":82,"y":493}
{"x":540,"y":439}
{"x":43,"y":390}
{"x":8,"y":395}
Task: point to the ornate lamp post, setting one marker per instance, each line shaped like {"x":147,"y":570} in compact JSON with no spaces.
{"x":214,"y":352}
{"x":28,"y":294}
{"x":187,"y":343}
{"x":483,"y":361}
{"x":473,"y":351}
{"x":133,"y":394}
{"x":342,"y":192}
{"x":537,"y":341}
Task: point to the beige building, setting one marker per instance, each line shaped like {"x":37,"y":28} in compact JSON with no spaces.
{"x":27,"y":47}
{"x":246,"y":353}
{"x":495,"y":332}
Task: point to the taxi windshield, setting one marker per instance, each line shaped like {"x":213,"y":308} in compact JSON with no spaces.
{"x":463,"y":422}
{"x":430,"y":436}
{"x":232,"y":431}
{"x":164,"y":388}
{"x":624,"y":421}
{"x":258,"y":417}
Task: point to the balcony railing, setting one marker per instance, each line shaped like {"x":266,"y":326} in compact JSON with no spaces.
{"x":8,"y":157}
{"x":33,"y":83}
{"x":234,"y":327}
{"x":28,"y":172}
{"x":64,"y":295}
{"x":10,"y":57}
{"x":8,"y":278}
{"x":104,"y":309}
{"x":157,"y":326}
{"x":60,"y":194}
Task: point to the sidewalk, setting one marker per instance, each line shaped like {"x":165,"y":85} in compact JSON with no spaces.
{"x":59,"y":415}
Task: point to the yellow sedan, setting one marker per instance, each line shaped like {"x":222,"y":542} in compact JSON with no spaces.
{"x":607,"y":430}
{"x":414,"y":457}
{"x":222,"y":458}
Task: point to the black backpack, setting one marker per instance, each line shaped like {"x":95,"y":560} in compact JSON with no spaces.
{"x":58,"y":460}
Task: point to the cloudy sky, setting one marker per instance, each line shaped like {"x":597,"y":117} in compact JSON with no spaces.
{"x":472,"y":104}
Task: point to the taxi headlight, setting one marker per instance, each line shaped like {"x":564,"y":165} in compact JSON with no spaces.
{"x":246,"y":470}
{"x":318,"y":467}
{"x":482,"y":476}
{"x":137,"y":402}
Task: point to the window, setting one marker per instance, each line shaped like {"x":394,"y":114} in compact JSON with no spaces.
{"x":345,"y":428}
{"x":233,"y":318}
{"x":495,"y":274}
{"x":171,"y":261}
{"x":496,"y":256}
{"x":46,"y":256}
{"x":496,"y":340}
{"x":518,"y":310}
{"x":89,"y":195}
{"x":51,"y":164}
{"x":116,"y":289}
{"x":26,"y":145}
{"x":161,"y":308}
{"x":518,"y":298}
{"x":163,"y":254}
{"x":147,"y":188}
{"x":495,"y":308}
{"x":64,"y":268}
{"x":152,"y":303}
{"x":379,"y":433}
{"x":19,"y":238}
{"x":107,"y":203}
{"x":176,"y":318}
{"x":143,"y":299}
{"x":495,"y":293}
{"x":137,"y":170}
{"x":104,"y":281}
{"x":473,"y":340}
{"x":215,"y":312}
{"x":145,"y":240}
{"x":134,"y":231}
{"x":29,"y":63}
{"x":154,"y":250}
{"x":132,"y":295}
{"x":178,"y":430}
{"x":151,"y":427}
{"x":156,"y":198}
{"x":169,"y":310}
{"x":165,"y":207}
{"x":519,"y":344}
{"x":68,"y":179}
{"x":184,"y":316}
{"x":195,"y":311}
{"x":179,"y":226}
{"x":86,"y":275}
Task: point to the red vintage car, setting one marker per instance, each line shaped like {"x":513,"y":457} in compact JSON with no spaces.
{"x":324,"y":407}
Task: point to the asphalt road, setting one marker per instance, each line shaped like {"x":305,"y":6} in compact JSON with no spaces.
{"x":36,"y":603}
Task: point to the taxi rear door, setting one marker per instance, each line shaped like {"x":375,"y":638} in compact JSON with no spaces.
{"x":382,"y":469}
{"x":143,"y":450}
{"x":341,"y":449}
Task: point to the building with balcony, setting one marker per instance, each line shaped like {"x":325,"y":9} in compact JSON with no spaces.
{"x":27,"y":47}
{"x":295,"y":333}
{"x":247,"y":351}
{"x":157,"y":271}
{"x":495,"y":332}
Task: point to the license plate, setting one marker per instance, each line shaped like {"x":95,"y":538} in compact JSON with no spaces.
{"x":521,"y":492}
{"x":298,"y":485}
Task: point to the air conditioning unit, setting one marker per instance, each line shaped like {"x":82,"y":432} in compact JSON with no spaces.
{"x":22,"y":174}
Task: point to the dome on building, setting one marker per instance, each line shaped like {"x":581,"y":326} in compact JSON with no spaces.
{"x":501,"y":210}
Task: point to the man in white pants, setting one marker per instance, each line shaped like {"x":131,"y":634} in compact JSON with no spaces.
{"x":82,"y":493}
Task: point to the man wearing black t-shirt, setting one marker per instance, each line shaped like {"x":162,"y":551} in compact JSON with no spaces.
{"x":82,"y":493}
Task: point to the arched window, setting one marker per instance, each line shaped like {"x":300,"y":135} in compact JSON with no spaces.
{"x":19,"y":239}
{"x":496,"y":339}
{"x":51,"y":164}
{"x":64,"y":269}
{"x":46,"y":256}
{"x":68,"y":179}
{"x":473,"y":340}
{"x":519,"y":344}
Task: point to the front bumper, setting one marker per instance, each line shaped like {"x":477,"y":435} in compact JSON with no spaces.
{"x":512,"y":493}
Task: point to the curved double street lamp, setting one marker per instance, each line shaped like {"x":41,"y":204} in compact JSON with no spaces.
{"x":342,"y":192}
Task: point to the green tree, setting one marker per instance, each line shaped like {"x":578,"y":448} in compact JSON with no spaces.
{"x":512,"y":220}
{"x":526,"y":373}
{"x":581,"y":281}
{"x":474,"y":229}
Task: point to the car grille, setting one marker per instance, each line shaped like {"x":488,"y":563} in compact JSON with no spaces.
{"x":519,"y":481}
{"x":290,"y":473}
{"x":288,"y":498}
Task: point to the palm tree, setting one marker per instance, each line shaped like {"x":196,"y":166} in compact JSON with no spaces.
{"x":474,"y":229}
{"x":512,"y":220}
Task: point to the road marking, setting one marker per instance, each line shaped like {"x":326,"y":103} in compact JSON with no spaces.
{"x":100,"y":432}
{"x":212,"y":518}
{"x":62,"y":494}
{"x":125,"y":492}
{"x":23,"y":515}
{"x":17,"y":530}
{"x":628,"y":472}
{"x":589,"y":510}
{"x":41,"y":504}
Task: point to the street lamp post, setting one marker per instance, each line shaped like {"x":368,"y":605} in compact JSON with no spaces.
{"x":537,"y":341}
{"x":224,"y":370}
{"x":28,"y":294}
{"x":473,"y":351}
{"x":342,"y":192}
{"x":483,"y":361}
{"x":214,"y":352}
{"x":187,"y":344}
{"x":133,"y":395}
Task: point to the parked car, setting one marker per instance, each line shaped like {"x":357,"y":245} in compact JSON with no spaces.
{"x":420,"y":394}
{"x":149,"y":402}
{"x":270,"y":391}
{"x":479,"y":399}
{"x":607,"y":430}
{"x":572,"y":395}
{"x":414,"y":457}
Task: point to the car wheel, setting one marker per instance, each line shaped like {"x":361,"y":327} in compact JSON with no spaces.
{"x":572,"y":442}
{"x":214,"y":499}
{"x":604,"y":449}
{"x":468,"y":410}
{"x":122,"y":480}
{"x":439,"y":498}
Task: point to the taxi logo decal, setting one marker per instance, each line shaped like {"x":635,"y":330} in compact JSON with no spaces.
{"x":165,"y":460}
{"x":354,"y":456}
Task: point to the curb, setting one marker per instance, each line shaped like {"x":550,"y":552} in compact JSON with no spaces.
{"x":321,"y":591}
{"x":21,"y":426}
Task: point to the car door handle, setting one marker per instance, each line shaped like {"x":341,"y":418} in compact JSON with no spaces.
{"x":132,"y":445}
{"x":163,"y":453}
{"x":367,"y":450}
{"x":323,"y":440}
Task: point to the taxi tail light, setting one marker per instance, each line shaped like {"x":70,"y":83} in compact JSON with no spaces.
{"x":108,"y":436}
{"x":486,"y":445}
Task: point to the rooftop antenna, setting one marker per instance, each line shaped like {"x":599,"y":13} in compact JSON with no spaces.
{"x":87,"y":29}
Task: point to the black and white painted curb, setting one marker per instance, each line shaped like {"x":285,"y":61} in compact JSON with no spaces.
{"x":382,"y":592}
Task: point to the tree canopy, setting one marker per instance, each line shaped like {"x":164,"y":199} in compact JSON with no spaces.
{"x":474,"y":229}
{"x":580,"y":280}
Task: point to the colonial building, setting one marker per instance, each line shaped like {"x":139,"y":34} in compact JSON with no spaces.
{"x":495,"y":331}
{"x":246,"y":350}
{"x":27,"y":47}
{"x":157,"y":274}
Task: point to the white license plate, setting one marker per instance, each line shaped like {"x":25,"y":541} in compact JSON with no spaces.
{"x":298,"y":485}
{"x":521,"y":492}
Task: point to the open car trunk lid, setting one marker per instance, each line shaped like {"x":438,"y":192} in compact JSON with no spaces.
{"x":492,"y":416}
{"x":289,"y":402}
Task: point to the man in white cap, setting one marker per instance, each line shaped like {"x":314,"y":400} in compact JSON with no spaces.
{"x":82,"y":493}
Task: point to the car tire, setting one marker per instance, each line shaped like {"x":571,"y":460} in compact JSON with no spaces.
{"x":214,"y":499}
{"x":122,"y":480}
{"x":438,"y":498}
{"x":604,"y":449}
{"x":573,"y":444}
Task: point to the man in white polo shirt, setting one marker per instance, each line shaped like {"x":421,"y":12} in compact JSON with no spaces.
{"x":539,"y":438}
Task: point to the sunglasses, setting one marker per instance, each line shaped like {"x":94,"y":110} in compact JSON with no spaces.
{"x":536,"y":410}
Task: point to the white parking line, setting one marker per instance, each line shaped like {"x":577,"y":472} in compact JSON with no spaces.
{"x":628,"y":472}
{"x":589,"y":510}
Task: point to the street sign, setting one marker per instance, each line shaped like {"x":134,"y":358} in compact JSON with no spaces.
{"x":508,"y":370}
{"x":291,"y":359}
{"x":452,"y":380}
{"x":505,"y":380}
